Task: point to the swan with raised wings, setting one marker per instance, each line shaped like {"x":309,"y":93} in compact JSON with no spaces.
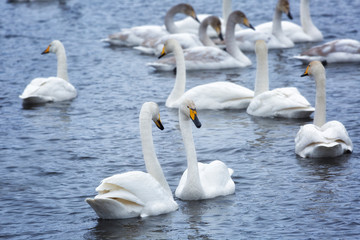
{"x":200,"y":180}
{"x":216,"y":95}
{"x":135,"y":36}
{"x":51,"y":89}
{"x":321,"y":139}
{"x":210,"y":56}
{"x":136,"y":193}
{"x":280,"y":102}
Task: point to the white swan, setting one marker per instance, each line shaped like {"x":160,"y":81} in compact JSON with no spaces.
{"x":270,"y":32}
{"x":136,"y":193}
{"x":52,"y":89}
{"x":212,"y":57}
{"x":280,"y":102}
{"x":192,"y":27}
{"x":321,"y":139}
{"x":200,"y":180}
{"x":135,"y":36}
{"x":216,"y":95}
{"x":340,"y":50}
{"x":186,"y":40}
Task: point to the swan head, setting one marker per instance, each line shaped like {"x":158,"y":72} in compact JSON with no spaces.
{"x":284,"y":6}
{"x":154,"y":111}
{"x":188,"y":110}
{"x":240,"y":18}
{"x":314,"y":68}
{"x":215,"y":23}
{"x":53,"y":47}
{"x":169,"y":47}
{"x":186,"y":9}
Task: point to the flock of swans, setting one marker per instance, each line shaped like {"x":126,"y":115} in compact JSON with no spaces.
{"x":136,"y":193}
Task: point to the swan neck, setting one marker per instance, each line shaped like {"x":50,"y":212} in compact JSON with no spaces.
{"x":262,"y":72}
{"x":305,"y":17}
{"x":169,"y":21}
{"x":204,"y":38}
{"x":277,"y":29}
{"x":320,"y":103}
{"x":193,"y":177}
{"x":180,"y":81}
{"x":151,"y":162}
{"x":231,"y":46}
{"x":226,"y":10}
{"x":62,"y":63}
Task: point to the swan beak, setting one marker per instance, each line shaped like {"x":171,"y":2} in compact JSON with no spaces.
{"x":159,"y":124}
{"x":306,"y":73}
{"x":196,"y":19}
{"x":194,"y":118}
{"x":289,"y":15}
{"x":248,"y":24}
{"x":221,"y":36}
{"x":47,"y":50}
{"x":163,"y":53}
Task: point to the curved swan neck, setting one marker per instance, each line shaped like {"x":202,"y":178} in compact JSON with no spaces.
{"x":204,"y":38}
{"x":61,"y":63}
{"x":226,"y":9}
{"x":151,"y":162}
{"x":262,"y":70}
{"x":193,"y":177}
{"x":320,"y":104}
{"x":231,"y":46}
{"x":169,"y":20}
{"x":180,"y":81}
{"x":276,"y":27}
{"x":305,"y":17}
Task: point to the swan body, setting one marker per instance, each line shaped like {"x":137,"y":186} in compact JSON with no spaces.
{"x":272,"y":32}
{"x":321,"y":139}
{"x":340,"y":50}
{"x":216,"y":95}
{"x":280,"y":102}
{"x":200,"y":180}
{"x":52,"y":89}
{"x":135,"y":36}
{"x":210,"y":56}
{"x":136,"y":193}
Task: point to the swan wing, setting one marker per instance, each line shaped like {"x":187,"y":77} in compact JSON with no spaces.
{"x":280,"y":102}
{"x":50,"y":89}
{"x":219,"y":95}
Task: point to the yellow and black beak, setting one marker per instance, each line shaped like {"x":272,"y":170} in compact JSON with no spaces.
{"x":159,"y":124}
{"x":47,"y":50}
{"x":163,"y":53}
{"x":196,"y":19}
{"x":306,"y":73}
{"x":248,"y":24}
{"x":194,"y":118}
{"x":289,"y":15}
{"x":220,"y":36}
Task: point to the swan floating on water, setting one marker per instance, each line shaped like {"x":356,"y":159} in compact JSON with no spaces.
{"x":135,"y":193}
{"x":200,"y":180}
{"x":340,"y":50}
{"x":280,"y":102}
{"x":321,"y":139}
{"x":135,"y":36}
{"x":212,"y":57}
{"x":52,"y":89}
{"x":216,"y":95}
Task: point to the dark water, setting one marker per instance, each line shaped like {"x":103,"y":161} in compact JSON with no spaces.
{"x":52,"y":157}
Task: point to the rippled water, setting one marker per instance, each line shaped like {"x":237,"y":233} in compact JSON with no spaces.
{"x":52,"y":157}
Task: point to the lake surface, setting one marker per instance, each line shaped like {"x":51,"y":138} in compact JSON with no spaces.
{"x":52,"y":157}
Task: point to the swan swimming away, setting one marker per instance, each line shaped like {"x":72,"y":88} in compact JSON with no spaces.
{"x":210,"y":56}
{"x":321,"y":139}
{"x":200,"y":180}
{"x":135,"y":36}
{"x":136,"y":193}
{"x":186,"y":40}
{"x":270,"y":32}
{"x":216,"y":95}
{"x":280,"y":102}
{"x":336,"y":51}
{"x":52,"y":89}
